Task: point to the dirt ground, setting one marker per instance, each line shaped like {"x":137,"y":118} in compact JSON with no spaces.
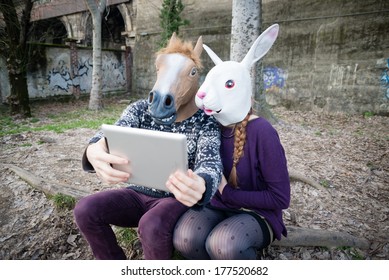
{"x":347,"y":155}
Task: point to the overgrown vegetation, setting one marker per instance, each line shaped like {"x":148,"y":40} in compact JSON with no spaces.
{"x":171,"y":20}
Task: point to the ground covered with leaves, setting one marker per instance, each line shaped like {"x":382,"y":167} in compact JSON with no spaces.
{"x":347,"y":155}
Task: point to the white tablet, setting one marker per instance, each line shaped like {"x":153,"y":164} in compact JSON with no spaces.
{"x":153,"y":155}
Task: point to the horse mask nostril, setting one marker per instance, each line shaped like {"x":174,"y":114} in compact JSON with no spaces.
{"x":151,"y":97}
{"x":168,"y":101}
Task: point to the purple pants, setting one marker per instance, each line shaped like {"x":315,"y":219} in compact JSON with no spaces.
{"x":154,"y":217}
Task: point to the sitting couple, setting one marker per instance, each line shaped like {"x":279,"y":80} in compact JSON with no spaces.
{"x":228,"y":205}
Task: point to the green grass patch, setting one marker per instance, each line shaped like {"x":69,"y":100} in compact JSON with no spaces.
{"x":126,"y":236}
{"x":325,"y":183}
{"x":318,"y":133}
{"x":60,"y":122}
{"x":354,"y":253}
{"x":368,"y":114}
{"x":63,"y":201}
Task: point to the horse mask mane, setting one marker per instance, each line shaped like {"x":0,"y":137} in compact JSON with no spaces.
{"x":172,"y":96}
{"x":226,"y":92}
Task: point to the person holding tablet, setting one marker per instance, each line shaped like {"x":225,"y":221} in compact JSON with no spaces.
{"x":154,"y":212}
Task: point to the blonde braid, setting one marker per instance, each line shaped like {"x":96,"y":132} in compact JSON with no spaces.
{"x":239,"y":141}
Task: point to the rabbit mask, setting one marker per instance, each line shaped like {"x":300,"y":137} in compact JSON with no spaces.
{"x":226,"y":91}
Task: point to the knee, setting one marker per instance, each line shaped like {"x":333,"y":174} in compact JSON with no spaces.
{"x":152,"y":229}
{"x":189,"y":237}
{"x":184,"y":238}
{"x":228,"y":249}
{"x":220,"y":249}
{"x":84,"y":212}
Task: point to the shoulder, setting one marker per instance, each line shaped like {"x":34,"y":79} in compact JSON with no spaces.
{"x":205,"y":121}
{"x":136,"y":108}
{"x":140,"y":104}
{"x":260,"y":123}
{"x":262,"y":129}
{"x":210,"y":123}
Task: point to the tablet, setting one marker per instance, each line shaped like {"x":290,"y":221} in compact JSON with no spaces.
{"x":153,"y":155}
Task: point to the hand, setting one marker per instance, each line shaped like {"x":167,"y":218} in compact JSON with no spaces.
{"x":187,"y":188}
{"x":222,"y":185}
{"x":101,"y":161}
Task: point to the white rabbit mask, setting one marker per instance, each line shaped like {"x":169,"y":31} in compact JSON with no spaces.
{"x":226,"y":91}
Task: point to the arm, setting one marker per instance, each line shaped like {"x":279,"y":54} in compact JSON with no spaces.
{"x":199,"y":186}
{"x":273,"y":172}
{"x":99,"y":158}
{"x":96,"y":157}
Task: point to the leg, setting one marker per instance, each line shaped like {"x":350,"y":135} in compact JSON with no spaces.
{"x":156,"y":228}
{"x":96,"y":213}
{"x":192,"y":230}
{"x":236,"y":238}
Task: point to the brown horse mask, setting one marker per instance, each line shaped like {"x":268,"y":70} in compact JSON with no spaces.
{"x":172,"y":97}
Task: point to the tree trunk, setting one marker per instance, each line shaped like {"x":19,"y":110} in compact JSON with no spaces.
{"x":18,"y":99}
{"x":16,"y":51}
{"x":245,"y":29}
{"x":96,"y":10}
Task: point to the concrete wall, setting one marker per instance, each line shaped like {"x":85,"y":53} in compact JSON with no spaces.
{"x":55,"y":77}
{"x":52,"y":76}
{"x":209,"y":19}
{"x":4,"y":83}
{"x":331,"y":56}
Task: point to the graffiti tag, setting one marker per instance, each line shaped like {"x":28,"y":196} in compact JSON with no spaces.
{"x":385,"y":79}
{"x":274,"y":78}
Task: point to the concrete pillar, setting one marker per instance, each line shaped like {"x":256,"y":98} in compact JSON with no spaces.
{"x":75,"y":25}
{"x":74,"y":68}
{"x":128,"y":12}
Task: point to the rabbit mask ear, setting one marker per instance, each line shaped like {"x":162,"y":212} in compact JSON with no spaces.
{"x":261,"y":46}
{"x":212,"y":55}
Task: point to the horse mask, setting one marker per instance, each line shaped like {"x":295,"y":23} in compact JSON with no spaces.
{"x":226,"y":92}
{"x":172,"y":97}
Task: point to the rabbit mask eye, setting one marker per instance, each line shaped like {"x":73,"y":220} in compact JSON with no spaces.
{"x":230,"y":84}
{"x":193,"y":72}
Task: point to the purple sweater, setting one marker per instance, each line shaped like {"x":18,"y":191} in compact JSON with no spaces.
{"x":263,"y":178}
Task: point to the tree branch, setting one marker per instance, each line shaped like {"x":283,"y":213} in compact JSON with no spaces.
{"x":306,"y":237}
{"x":48,"y":188}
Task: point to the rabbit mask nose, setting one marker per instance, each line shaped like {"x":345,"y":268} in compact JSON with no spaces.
{"x":201,"y":94}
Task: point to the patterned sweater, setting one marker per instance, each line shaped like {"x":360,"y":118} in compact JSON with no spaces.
{"x":203,"y":145}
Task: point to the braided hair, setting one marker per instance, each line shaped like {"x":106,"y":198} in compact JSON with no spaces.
{"x":239,"y":141}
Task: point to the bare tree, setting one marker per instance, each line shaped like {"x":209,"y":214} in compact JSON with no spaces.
{"x":96,"y":9}
{"x":245,"y":28}
{"x":13,"y":43}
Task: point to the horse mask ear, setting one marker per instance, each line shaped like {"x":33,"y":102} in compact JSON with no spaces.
{"x":198,"y":49}
{"x":173,"y":39}
{"x":261,"y":46}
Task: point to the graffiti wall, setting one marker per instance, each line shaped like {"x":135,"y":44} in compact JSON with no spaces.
{"x":385,"y":79}
{"x":274,"y":79}
{"x":4,"y":84}
{"x":59,"y":77}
